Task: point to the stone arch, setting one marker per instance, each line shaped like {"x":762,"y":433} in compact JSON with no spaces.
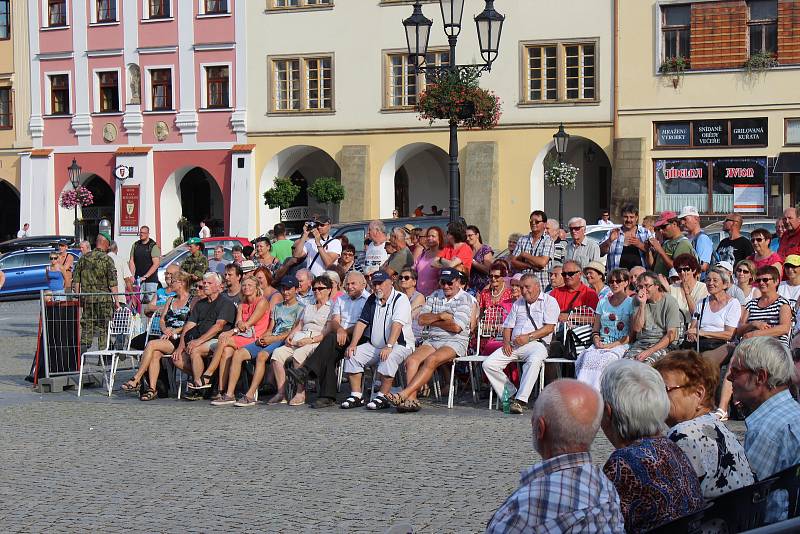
{"x":422,"y":169}
{"x":9,"y":215}
{"x":191,"y":192}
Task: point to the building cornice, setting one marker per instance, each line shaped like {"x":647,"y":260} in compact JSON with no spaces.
{"x":437,"y":129}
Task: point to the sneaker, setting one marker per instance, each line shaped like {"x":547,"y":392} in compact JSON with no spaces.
{"x":224,"y":400}
{"x":193,"y":395}
{"x":244,"y":402}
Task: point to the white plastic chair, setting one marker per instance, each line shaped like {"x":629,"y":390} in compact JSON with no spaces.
{"x":582,"y":315}
{"x":489,"y":325}
{"x":121,"y":324}
{"x":152,"y":331}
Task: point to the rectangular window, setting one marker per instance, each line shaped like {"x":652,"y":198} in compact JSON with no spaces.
{"x":217,"y":84}
{"x":302,"y":84}
{"x":109,"y":91}
{"x":560,"y":72}
{"x":214,"y":7}
{"x":106,"y":11}
{"x":542,"y":73}
{"x":579,"y":71}
{"x":763,"y":26}
{"x":793,"y":131}
{"x":5,"y":19}
{"x":56,"y":13}
{"x":675,"y":23}
{"x":59,"y":94}
{"x":403,"y":84}
{"x":159,"y":9}
{"x":277,"y":4}
{"x":161,"y":89}
{"x":5,"y":108}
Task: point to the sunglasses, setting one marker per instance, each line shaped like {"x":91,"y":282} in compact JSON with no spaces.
{"x":575,"y":228}
{"x":570,"y":273}
{"x":534,"y":221}
{"x":763,"y":280}
{"x":685,"y":270}
{"x":406,"y":278}
{"x":446,"y":282}
{"x":320,"y":288}
{"x":616,"y":281}
{"x":495,"y":276}
{"x":53,"y":257}
{"x":756,"y":239}
{"x":743,"y":271}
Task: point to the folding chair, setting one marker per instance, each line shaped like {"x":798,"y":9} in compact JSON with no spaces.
{"x":153,"y":331}
{"x":121,"y":324}
{"x":580,"y":316}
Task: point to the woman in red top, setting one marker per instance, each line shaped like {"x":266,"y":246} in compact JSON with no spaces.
{"x":457,"y":254}
{"x":763,"y":255}
{"x":495,"y":302}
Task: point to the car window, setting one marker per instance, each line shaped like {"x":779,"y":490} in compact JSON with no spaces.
{"x":12,"y":262}
{"x":33,"y":259}
{"x":356,"y":238}
{"x":172,"y":254}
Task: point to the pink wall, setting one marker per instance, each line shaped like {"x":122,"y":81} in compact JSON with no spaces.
{"x":215,"y":126}
{"x":55,"y":40}
{"x":99,"y":120}
{"x":215,"y":29}
{"x":158,"y":32}
{"x":57,"y":129}
{"x":150,"y":121}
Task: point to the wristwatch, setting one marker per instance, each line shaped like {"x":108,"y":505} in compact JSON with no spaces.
{"x":530,"y":337}
{"x":390,"y":345}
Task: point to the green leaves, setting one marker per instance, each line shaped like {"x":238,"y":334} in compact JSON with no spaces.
{"x":282,"y":193}
{"x":327,"y":190}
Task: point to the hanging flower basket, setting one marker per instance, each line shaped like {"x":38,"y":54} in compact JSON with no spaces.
{"x":76,"y":197}
{"x":561,"y":174}
{"x":459,"y":99}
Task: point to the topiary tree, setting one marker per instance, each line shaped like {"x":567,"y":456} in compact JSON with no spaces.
{"x":281,"y":194}
{"x":327,"y":191}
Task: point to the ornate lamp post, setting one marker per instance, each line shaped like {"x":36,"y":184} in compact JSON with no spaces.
{"x":489,"y":24}
{"x":74,"y":173}
{"x":561,"y":139}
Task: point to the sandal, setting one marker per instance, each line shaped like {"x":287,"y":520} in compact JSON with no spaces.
{"x":205,"y":383}
{"x":352,"y":402}
{"x":150,"y":394}
{"x":378,"y":403}
{"x":130,"y":386}
{"x":408,"y":406}
{"x":394,"y":399}
{"x":720,"y":414}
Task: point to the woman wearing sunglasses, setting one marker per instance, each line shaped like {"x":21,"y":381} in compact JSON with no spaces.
{"x":688,"y":291}
{"x":763,"y":255}
{"x":55,"y":277}
{"x":610,"y":332}
{"x":715,"y":319}
{"x":407,"y":284}
{"x":494,"y":302}
{"x":745,"y":273}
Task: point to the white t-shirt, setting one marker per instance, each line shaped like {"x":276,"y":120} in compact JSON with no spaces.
{"x":204,"y":232}
{"x":374,"y":257}
{"x":712,"y":321}
{"x":609,"y":222}
{"x":792,"y":294}
{"x":397,"y":310}
{"x":334,"y":246}
{"x":22,"y":233}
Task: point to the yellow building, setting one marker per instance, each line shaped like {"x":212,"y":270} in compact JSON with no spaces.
{"x":708,"y":108}
{"x":14,"y":109}
{"x":339,"y":102}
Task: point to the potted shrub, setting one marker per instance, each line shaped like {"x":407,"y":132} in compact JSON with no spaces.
{"x":561,"y":175}
{"x":760,"y":61}
{"x":328,"y":191}
{"x":457,"y":98}
{"x":76,"y":197}
{"x":674,"y":67}
{"x":281,"y":194}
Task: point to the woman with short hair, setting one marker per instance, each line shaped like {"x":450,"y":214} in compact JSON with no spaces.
{"x":716,"y":455}
{"x":427,"y":273}
{"x":494,"y":303}
{"x":688,"y":291}
{"x":482,"y":258}
{"x":715,"y":318}
{"x":745,"y":273}
{"x":407,"y":284}
{"x":763,"y":256}
{"x":655,"y":480}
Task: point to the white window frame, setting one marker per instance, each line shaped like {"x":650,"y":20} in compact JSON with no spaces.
{"x":201,"y":10}
{"x":48,"y":108}
{"x":146,"y":12}
{"x":96,"y":91}
{"x":149,"y":88}
{"x":304,"y":109}
{"x":272,"y":5}
{"x":93,"y":14}
{"x":204,"y":85}
{"x":561,"y":73}
{"x":46,"y":15}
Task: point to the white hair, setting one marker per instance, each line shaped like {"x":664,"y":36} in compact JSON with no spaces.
{"x":580,"y":221}
{"x":769,"y":354}
{"x":563,"y":433}
{"x":638,"y":399}
{"x":552,"y":223}
{"x":378,"y":225}
{"x":213,"y":276}
{"x":113,"y":246}
{"x":355,"y":274}
{"x":304,"y":272}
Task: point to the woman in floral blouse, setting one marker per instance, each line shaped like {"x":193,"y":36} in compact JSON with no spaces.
{"x":716,"y":455}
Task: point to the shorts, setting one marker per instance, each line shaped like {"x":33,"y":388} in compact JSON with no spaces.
{"x":255,"y":348}
{"x":367,"y":355}
{"x":459,"y":347}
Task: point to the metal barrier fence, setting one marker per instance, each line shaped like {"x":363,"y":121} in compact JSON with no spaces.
{"x":73,"y":323}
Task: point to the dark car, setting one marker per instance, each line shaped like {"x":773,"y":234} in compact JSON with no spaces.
{"x":22,"y":243}
{"x":25,"y":270}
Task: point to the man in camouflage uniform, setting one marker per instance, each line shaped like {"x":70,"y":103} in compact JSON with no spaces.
{"x":95,"y":273}
{"x":196,"y":263}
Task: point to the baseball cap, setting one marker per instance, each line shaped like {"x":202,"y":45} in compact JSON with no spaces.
{"x":106,"y":236}
{"x":288,"y":281}
{"x":688,"y":210}
{"x":63,"y":242}
{"x":728,"y":266}
{"x":448,"y":275}
{"x":664,"y":218}
{"x":379,"y":277}
{"x":248,"y":266}
{"x":793,"y":259}
{"x":193,"y":241}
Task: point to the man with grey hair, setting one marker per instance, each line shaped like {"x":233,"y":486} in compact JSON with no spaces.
{"x":565,"y":492}
{"x":653,"y":476}
{"x":581,"y":249}
{"x":559,"y":245}
{"x":761,"y":371}
{"x":304,"y":294}
{"x":85,"y":247}
{"x":527,"y":331}
{"x":401,"y":258}
{"x":124,"y":275}
{"x":376,"y":254}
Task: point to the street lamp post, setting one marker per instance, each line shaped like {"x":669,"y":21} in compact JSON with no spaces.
{"x":489,"y":24}
{"x":561,"y":139}
{"x":74,"y":173}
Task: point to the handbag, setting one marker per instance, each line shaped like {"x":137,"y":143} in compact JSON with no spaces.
{"x":702,"y":344}
{"x":579,"y":338}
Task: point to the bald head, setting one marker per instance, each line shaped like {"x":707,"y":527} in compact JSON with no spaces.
{"x":790,"y":219}
{"x":566,"y":418}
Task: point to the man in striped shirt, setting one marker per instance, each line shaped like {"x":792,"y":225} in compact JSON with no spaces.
{"x":535,"y":251}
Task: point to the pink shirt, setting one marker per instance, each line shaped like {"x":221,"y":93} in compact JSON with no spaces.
{"x":427,"y":275}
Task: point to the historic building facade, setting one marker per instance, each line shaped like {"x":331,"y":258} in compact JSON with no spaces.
{"x":148,"y":97}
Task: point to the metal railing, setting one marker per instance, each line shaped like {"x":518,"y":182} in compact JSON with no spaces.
{"x":297,"y":213}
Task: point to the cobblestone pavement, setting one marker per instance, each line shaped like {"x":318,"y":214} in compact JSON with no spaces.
{"x":167,"y":466}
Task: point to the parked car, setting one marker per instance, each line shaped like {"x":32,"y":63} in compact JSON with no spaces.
{"x":21,"y":243}
{"x":25,"y":270}
{"x":748,"y":225}
{"x":177,"y":255}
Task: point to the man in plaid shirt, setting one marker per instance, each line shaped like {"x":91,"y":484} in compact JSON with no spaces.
{"x":627,"y":246}
{"x":761,"y":370}
{"x":565,"y":492}
{"x":534,"y":252}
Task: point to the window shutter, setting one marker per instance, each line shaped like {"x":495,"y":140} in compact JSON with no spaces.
{"x":718,"y":35}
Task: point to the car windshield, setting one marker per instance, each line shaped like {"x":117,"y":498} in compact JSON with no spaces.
{"x":172,"y":254}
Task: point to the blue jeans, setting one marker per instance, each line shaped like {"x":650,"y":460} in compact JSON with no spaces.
{"x":255,"y":348}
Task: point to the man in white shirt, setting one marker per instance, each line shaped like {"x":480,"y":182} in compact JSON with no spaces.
{"x":605,"y":219}
{"x":205,"y":231}
{"x":319,"y":249}
{"x":124,"y":276}
{"x":321,"y":364}
{"x":376,"y":254}
{"x":24,"y":231}
{"x":527,"y":332}
{"x":387,"y":313}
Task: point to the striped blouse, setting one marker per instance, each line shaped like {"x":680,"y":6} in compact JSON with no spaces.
{"x":770,"y":315}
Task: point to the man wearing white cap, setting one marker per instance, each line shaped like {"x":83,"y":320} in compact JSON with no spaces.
{"x":703,"y":246}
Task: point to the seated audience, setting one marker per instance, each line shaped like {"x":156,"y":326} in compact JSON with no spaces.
{"x":610,"y":332}
{"x":401,"y":258}
{"x":655,"y":321}
{"x":556,"y":278}
{"x":574,"y":293}
{"x":347,"y":260}
{"x":595,"y":273}
{"x":305,"y":295}
{"x":456,"y":254}
{"x":446,"y":319}
{"x":635,"y":272}
{"x":233,"y":281}
{"x":516,"y":286}
{"x":761,"y":371}
{"x":717,"y":457}
{"x":494,"y":303}
{"x":263,"y":255}
{"x":730,"y":287}
{"x":511,"y":245}
{"x":217,"y":263}
{"x":387,"y":317}
{"x":654,"y":478}
{"x":715,"y":319}
{"x":264,"y":278}
{"x":565,"y":492}
{"x":336,"y":284}
{"x":689,"y":290}
{"x":745,"y":272}
{"x":407,"y":284}
{"x":527,"y":332}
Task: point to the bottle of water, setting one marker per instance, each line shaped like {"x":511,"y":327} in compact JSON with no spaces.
{"x":506,"y":399}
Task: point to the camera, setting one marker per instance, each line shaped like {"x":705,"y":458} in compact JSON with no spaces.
{"x":310,"y":225}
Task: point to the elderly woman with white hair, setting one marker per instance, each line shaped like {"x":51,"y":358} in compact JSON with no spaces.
{"x":655,"y":480}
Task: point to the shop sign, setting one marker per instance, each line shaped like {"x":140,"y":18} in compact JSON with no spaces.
{"x":688,"y":169}
{"x":712,"y":133}
{"x":748,"y":177}
{"x":673,"y":134}
{"x":748,"y":132}
{"x":129,"y":210}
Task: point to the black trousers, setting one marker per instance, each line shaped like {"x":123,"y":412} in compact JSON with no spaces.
{"x":322,"y":365}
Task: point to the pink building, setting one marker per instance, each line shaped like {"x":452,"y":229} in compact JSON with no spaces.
{"x":156,"y":86}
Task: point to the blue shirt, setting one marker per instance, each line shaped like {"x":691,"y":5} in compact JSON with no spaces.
{"x":772,"y":444}
{"x":563,"y":494}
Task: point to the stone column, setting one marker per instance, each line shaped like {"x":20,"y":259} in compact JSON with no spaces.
{"x":244,"y":197}
{"x":480,"y":188}
{"x":38,"y":202}
{"x":353,"y":162}
{"x":628,"y":172}
{"x":140,"y":161}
